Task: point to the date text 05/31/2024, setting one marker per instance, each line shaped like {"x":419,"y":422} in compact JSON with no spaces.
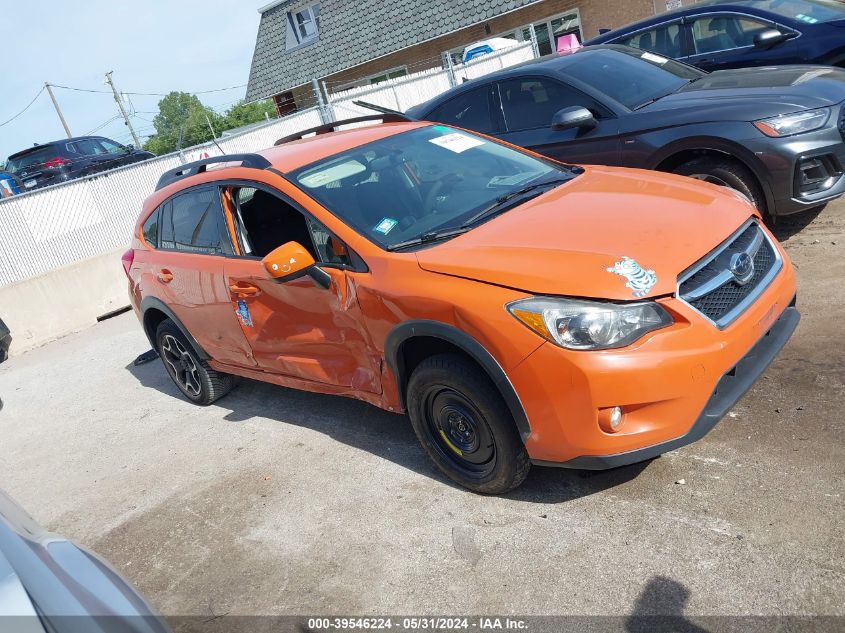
{"x":417,"y":624}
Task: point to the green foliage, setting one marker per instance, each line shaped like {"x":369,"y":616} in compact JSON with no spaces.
{"x":245,"y":113}
{"x":182,"y":121}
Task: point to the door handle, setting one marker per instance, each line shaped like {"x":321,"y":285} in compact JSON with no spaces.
{"x":165,"y":276}
{"x":244,"y":290}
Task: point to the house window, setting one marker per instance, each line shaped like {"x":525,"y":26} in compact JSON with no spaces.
{"x":303,"y":25}
{"x":550,"y":30}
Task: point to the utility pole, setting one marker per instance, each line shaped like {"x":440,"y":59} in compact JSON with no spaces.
{"x":122,"y":109}
{"x":58,"y":109}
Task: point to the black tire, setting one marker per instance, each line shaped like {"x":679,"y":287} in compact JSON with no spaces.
{"x":192,"y":375}
{"x":728,"y":173}
{"x":464,"y":425}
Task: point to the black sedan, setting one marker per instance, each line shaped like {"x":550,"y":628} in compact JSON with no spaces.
{"x":773,"y":134}
{"x":720,"y":34}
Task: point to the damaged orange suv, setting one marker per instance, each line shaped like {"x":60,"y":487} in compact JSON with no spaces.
{"x":517,"y":309}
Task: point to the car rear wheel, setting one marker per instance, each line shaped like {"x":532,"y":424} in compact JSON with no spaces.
{"x":464,"y":425}
{"x":195,"y":379}
{"x":726,"y":172}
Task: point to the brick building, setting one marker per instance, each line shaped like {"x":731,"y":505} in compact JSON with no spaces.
{"x":348,"y":43}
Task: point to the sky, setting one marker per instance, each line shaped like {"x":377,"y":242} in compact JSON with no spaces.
{"x":152,"y":46}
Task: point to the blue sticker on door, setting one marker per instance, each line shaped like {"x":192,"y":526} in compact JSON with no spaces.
{"x":243,"y":313}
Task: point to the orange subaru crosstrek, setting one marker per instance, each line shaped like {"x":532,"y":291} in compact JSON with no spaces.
{"x":518,"y":310}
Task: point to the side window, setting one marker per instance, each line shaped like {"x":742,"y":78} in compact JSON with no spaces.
{"x":663,"y":40}
{"x":329,"y":248}
{"x":194,"y":222}
{"x":89,"y":147}
{"x":150,"y":229}
{"x":531,"y":103}
{"x":724,"y":32}
{"x":111,"y":147}
{"x":470,"y":110}
{"x":265,"y":222}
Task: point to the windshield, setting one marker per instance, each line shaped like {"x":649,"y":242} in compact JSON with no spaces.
{"x":630,"y":76}
{"x":421,"y":181}
{"x":34,"y":157}
{"x":809,"y":11}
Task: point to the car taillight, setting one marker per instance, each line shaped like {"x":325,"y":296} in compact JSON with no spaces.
{"x":56,"y":162}
{"x":126,"y":259}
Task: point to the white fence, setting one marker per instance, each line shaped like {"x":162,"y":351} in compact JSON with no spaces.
{"x":410,"y":90}
{"x":59,"y":225}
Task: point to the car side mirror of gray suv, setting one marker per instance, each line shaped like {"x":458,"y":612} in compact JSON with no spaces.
{"x":573,"y":117}
{"x":769,"y":38}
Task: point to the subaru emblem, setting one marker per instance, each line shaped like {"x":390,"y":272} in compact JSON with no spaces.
{"x":742,"y":267}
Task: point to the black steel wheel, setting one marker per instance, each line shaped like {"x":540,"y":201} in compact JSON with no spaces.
{"x":465,"y":426}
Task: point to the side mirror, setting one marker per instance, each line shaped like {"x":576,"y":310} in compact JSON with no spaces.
{"x":290,"y":261}
{"x":769,"y":38}
{"x":573,"y":117}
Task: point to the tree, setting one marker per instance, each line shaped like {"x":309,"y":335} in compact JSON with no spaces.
{"x":182,"y":121}
{"x":245,"y":113}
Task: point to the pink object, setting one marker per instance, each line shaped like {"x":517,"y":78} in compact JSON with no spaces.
{"x":568,"y":43}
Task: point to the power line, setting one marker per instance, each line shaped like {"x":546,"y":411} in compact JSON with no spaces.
{"x":147,"y":94}
{"x":26,"y":108}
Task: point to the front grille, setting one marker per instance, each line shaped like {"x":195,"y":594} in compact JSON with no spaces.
{"x":718,"y":292}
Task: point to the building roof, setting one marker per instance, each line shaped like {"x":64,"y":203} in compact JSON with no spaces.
{"x":352,"y":33}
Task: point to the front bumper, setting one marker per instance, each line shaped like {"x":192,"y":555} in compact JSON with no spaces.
{"x":788,"y":161}
{"x":663,"y":383}
{"x":730,"y":388}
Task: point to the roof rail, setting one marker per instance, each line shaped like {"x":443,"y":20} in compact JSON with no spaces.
{"x":388,"y":117}
{"x":252,"y":161}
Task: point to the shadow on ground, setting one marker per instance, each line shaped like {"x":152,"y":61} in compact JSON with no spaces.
{"x":384,"y":434}
{"x":787,"y":226}
{"x":660,"y":609}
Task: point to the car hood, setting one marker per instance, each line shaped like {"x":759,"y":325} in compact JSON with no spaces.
{"x":747,"y":94}
{"x":569,"y":240}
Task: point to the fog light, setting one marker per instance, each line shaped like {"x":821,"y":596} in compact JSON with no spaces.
{"x":611,"y":419}
{"x":615,"y":417}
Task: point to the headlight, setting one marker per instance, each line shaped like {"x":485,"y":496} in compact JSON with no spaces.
{"x":589,"y":325}
{"x":789,"y":124}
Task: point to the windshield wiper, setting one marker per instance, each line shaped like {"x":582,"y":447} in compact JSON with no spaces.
{"x":504,"y":202}
{"x":429,"y":237}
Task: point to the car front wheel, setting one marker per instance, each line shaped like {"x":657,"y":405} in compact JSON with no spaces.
{"x":464,"y":425}
{"x":195,"y":379}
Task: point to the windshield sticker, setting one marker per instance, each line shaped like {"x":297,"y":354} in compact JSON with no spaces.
{"x":457,"y":142}
{"x":640,"y":281}
{"x":385,"y":226}
{"x":655,"y":59}
{"x":806,"y":18}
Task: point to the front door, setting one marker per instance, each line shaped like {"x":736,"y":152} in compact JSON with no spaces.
{"x":296,"y":328}
{"x":724,"y":40}
{"x":528,"y":105}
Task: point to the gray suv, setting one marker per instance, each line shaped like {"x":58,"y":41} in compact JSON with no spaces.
{"x":774,"y":134}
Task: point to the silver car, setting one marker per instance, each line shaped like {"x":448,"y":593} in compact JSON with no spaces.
{"x":48,"y":583}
